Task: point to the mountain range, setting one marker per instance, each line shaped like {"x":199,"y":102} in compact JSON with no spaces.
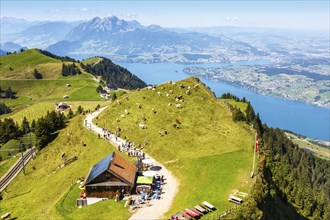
{"x":124,"y":41}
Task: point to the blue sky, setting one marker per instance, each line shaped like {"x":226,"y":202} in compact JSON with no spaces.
{"x":273,"y":14}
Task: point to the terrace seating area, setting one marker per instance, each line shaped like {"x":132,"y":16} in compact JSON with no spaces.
{"x":194,"y":213}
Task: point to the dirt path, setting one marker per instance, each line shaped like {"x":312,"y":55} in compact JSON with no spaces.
{"x":158,"y":207}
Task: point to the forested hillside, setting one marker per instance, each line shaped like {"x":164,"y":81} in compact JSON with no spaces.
{"x":291,"y":183}
{"x":114,"y":74}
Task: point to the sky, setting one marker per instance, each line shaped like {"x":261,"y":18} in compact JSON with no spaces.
{"x":282,"y":14}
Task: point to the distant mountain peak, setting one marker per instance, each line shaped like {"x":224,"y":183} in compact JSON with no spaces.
{"x":96,"y":19}
{"x":100,"y":28}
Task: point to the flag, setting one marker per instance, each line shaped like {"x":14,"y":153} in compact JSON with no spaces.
{"x":257,"y":143}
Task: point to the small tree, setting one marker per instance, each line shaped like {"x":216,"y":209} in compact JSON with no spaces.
{"x":97,"y":107}
{"x":238,"y":115}
{"x":70,"y":114}
{"x":80,"y":110}
{"x":25,"y":125}
{"x":36,"y":74}
{"x":99,"y":88}
{"x":9,"y":93}
{"x":114,"y":96}
{"x":33,"y":124}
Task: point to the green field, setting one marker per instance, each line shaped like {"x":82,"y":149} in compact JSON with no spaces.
{"x":37,"y":110}
{"x":47,"y":89}
{"x":319,"y":151}
{"x":45,"y":194}
{"x":68,"y":209}
{"x":209,"y":154}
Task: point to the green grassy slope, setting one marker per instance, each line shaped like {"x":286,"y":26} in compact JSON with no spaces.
{"x":23,"y":64}
{"x":43,"y":193}
{"x":319,"y":151}
{"x":240,"y":105}
{"x":93,"y":60}
{"x":5,"y":165}
{"x":210,"y":154}
{"x":38,"y":110}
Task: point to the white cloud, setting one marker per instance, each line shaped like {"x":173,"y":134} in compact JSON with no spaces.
{"x":54,"y":11}
{"x":229,"y":18}
{"x":131,"y":15}
{"x":57,"y":17}
{"x":84,"y":9}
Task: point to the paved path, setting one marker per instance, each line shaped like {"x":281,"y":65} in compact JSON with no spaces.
{"x":158,"y":207}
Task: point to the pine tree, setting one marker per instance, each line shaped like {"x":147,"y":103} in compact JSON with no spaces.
{"x":25,"y":125}
{"x":99,"y":88}
{"x":80,"y":110}
{"x":250,"y":115}
{"x":114,"y":96}
{"x":63,"y":70}
{"x":238,"y":115}
{"x":9,"y":93}
{"x":36,"y":74}
{"x":70,"y":114}
{"x":33,"y":124}
{"x":257,"y":125}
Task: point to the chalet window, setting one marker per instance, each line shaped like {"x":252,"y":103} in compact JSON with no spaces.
{"x":107,"y":176}
{"x":93,"y":188}
{"x":108,"y":188}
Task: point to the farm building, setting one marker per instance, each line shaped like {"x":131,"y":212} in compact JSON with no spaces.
{"x":111,"y":175}
{"x":61,"y":106}
{"x":110,"y":87}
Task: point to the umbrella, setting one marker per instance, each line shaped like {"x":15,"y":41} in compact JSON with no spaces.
{"x":149,"y":173}
{"x":156,"y":168}
{"x":148,"y":161}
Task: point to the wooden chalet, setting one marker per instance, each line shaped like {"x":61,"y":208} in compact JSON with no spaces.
{"x":110,"y":87}
{"x":111,"y":175}
{"x":61,"y":106}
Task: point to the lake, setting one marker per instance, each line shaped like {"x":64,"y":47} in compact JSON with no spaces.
{"x":309,"y":120}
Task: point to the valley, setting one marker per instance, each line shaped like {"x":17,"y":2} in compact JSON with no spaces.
{"x":288,"y":84}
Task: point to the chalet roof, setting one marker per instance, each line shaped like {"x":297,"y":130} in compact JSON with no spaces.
{"x":117,"y":166}
{"x":62,"y":104}
{"x":111,"y":86}
{"x":123,"y":169}
{"x":109,"y":184}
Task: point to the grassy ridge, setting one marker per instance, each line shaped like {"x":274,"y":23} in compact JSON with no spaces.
{"x":41,"y":193}
{"x":93,"y":60}
{"x":210,"y":154}
{"x":23,"y":64}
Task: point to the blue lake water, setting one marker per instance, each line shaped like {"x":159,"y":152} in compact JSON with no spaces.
{"x":305,"y":119}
